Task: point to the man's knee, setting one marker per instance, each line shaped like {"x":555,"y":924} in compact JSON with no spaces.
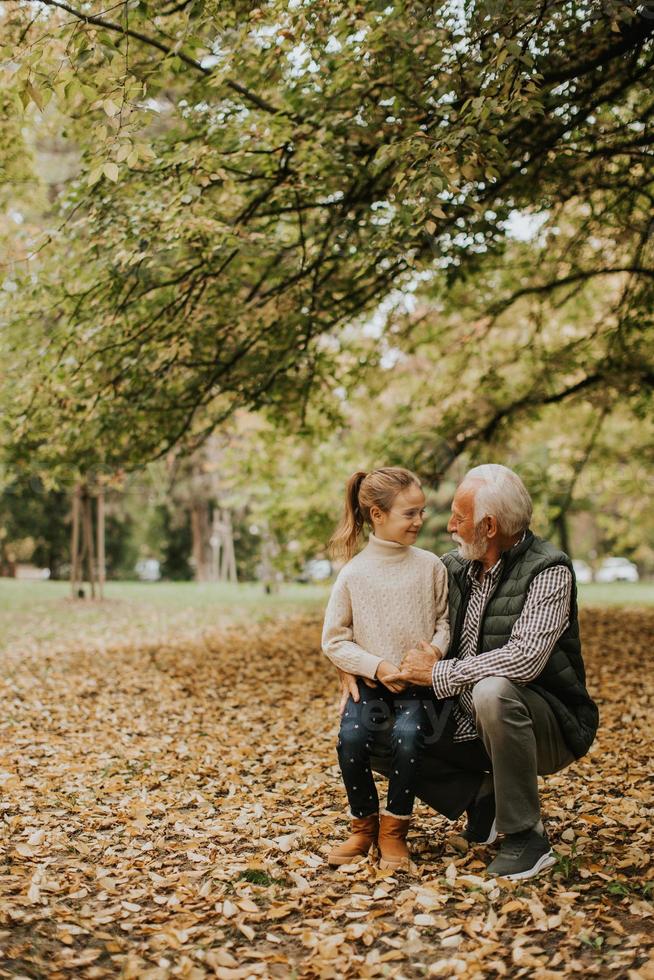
{"x":489,"y":697}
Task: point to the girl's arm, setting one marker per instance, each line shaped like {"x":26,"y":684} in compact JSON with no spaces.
{"x":441,"y":637}
{"x":337,"y":642}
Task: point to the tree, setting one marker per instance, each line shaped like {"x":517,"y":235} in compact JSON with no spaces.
{"x":252,"y":180}
{"x":33,"y":526}
{"x":482,"y":358}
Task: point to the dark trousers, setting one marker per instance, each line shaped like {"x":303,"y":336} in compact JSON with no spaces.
{"x":403,"y":724}
{"x":519,"y":739}
{"x":450,"y":772}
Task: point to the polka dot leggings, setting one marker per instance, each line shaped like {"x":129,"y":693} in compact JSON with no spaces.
{"x":378,"y":710}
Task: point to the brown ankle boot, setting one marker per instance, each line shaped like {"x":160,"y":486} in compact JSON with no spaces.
{"x":393,"y":852}
{"x":363,"y":836}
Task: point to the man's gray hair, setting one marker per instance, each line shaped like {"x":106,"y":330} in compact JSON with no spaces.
{"x":500,"y":493}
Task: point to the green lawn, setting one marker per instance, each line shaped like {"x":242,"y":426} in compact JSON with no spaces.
{"x":34,"y":612}
{"x":618,"y":594}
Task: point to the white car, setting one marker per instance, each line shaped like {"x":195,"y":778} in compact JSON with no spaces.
{"x":315,"y":570}
{"x":582,"y":571}
{"x":148,"y":569}
{"x":617,"y":570}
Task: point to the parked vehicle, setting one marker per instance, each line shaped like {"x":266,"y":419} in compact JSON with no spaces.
{"x":148,"y":569}
{"x":583,"y":571}
{"x":316,"y":570}
{"x":617,"y":570}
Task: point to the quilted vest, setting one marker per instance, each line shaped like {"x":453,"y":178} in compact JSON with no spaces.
{"x":562,"y":682}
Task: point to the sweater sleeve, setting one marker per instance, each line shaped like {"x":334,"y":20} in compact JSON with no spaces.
{"x":441,"y":637}
{"x":337,"y":642}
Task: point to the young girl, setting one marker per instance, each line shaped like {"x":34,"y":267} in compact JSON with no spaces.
{"x":386,"y":600}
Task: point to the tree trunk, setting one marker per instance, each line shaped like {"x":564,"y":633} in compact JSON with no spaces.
{"x":87,"y":527}
{"x":561,"y":525}
{"x":102,"y":570}
{"x":75,"y":542}
{"x":200,"y":537}
{"x":228,"y":559}
{"x":267,"y":568}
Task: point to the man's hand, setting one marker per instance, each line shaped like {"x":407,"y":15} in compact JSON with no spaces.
{"x":418,"y":664}
{"x":349,"y":688}
{"x":390,"y":677}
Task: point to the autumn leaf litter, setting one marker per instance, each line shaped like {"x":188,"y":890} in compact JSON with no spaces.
{"x":167,"y":809}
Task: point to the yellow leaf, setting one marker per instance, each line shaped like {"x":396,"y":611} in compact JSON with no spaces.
{"x":511,"y":906}
{"x":110,"y":107}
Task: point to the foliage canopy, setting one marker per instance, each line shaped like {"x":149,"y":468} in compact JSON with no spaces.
{"x":242,"y":183}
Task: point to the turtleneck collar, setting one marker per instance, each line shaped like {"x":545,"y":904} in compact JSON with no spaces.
{"x":385,"y":550}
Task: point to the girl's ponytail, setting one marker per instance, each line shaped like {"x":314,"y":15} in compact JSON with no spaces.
{"x":344,"y":540}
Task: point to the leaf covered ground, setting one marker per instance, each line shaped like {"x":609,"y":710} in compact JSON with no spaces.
{"x":166,"y":808}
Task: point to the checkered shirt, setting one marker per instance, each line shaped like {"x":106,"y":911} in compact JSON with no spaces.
{"x":544,"y":617}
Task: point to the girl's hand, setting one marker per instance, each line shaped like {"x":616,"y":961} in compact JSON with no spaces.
{"x":390,"y":677}
{"x":349,"y":688}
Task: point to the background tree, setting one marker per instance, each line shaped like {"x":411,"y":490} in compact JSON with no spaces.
{"x":250,"y":182}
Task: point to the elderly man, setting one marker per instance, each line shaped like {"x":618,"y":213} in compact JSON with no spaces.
{"x":511,"y":696}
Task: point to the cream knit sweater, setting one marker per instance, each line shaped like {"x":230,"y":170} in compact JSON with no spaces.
{"x":384,"y":601}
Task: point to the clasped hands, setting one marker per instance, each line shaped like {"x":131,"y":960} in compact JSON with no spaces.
{"x":416,"y":669}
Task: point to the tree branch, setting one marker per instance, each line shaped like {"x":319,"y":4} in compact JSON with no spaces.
{"x":503,"y":305}
{"x":636,"y":35}
{"x":154,"y":42}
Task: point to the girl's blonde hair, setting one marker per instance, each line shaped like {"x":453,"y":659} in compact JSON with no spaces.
{"x":363,"y":491}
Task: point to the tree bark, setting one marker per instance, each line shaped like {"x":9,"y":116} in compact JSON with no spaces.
{"x":87,"y":526}
{"x":100,"y":530}
{"x":561,"y":525}
{"x":227,"y":558}
{"x":200,"y":536}
{"x":75,"y":542}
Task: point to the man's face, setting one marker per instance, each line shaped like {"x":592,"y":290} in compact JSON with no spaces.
{"x":471,"y":539}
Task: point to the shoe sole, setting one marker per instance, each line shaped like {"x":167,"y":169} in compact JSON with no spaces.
{"x":405,"y":865}
{"x":544,"y":861}
{"x":492,"y":836}
{"x":394,"y":865}
{"x":356,"y":859}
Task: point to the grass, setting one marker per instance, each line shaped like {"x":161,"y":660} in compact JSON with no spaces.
{"x":36,"y":612}
{"x":17,"y":594}
{"x":43,"y":611}
{"x":617,"y":594}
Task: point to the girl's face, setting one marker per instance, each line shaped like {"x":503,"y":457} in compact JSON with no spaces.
{"x":403,"y":521}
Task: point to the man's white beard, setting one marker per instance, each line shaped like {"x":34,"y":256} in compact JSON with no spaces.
{"x":477,"y":547}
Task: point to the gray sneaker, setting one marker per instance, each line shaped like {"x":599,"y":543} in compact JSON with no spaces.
{"x":522,"y":855}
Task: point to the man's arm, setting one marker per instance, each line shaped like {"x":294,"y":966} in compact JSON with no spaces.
{"x":543,"y":619}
